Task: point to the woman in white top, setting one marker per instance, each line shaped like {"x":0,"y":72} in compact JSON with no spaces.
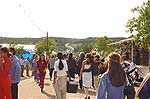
{"x":86,"y":72}
{"x":60,"y":77}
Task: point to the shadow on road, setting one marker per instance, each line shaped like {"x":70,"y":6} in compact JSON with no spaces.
{"x":93,"y":93}
{"x":47,"y":84}
{"x":47,"y":78}
{"x":49,"y":95}
{"x":25,"y":77}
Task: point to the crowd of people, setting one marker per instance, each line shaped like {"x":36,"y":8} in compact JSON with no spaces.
{"x":112,"y":77}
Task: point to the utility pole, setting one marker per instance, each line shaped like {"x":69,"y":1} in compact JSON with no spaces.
{"x":47,"y":50}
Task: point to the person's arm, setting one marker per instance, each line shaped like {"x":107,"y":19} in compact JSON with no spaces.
{"x":16,"y":73}
{"x":8,"y":66}
{"x":1,"y":64}
{"x":81,"y":71}
{"x":55,"y":73}
{"x":37,"y":68}
{"x":66,"y":68}
{"x":55,"y":77}
{"x":143,"y":82}
{"x":102,"y":88}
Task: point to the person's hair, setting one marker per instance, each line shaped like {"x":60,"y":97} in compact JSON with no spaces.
{"x":60,"y":57}
{"x":126,"y":56}
{"x":53,"y":56}
{"x":12,"y":50}
{"x":35,"y":56}
{"x":97,"y":57}
{"x":70,"y":55}
{"x":5,"y":50}
{"x":41,"y":56}
{"x":116,"y":72}
{"x":82,"y":55}
{"x":90,"y":57}
{"x":64,"y":56}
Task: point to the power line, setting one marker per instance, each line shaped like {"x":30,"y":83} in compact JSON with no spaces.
{"x":28,"y":15}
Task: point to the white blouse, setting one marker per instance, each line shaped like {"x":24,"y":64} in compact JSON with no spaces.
{"x":64,"y":70}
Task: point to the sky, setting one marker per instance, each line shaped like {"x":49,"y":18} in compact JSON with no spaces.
{"x":65,"y":18}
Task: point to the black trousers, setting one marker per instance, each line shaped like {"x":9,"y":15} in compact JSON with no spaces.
{"x":80,"y":83}
{"x":14,"y":91}
{"x":51,"y":72}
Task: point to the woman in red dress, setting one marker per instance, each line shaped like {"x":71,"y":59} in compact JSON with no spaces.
{"x":5,"y":81}
{"x":41,"y":67}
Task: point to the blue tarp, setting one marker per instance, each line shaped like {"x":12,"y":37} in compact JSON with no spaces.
{"x":26,"y":54}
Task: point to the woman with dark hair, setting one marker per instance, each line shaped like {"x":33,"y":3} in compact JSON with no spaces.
{"x":41,"y":67}
{"x":34,"y":66}
{"x":96,"y":70}
{"x":86,"y":72}
{"x":60,"y":77}
{"x":5,"y":67}
{"x":112,"y":83}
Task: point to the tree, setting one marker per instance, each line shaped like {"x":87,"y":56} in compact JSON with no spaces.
{"x":12,"y":43}
{"x":102,"y":47}
{"x":41,"y":46}
{"x":19,"y":50}
{"x":139,"y":25}
{"x":87,"y":47}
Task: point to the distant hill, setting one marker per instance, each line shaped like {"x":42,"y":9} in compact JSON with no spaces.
{"x":59,"y":40}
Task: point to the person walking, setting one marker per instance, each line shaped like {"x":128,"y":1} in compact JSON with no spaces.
{"x":5,"y":67}
{"x":112,"y":83}
{"x":51,"y":63}
{"x":71,"y":65}
{"x":60,"y":77}
{"x":34,"y":68}
{"x":27,"y":65}
{"x":131,"y":75}
{"x":86,"y":72}
{"x":15,"y":73}
{"x":96,"y":70}
{"x":79,"y":66}
{"x":41,"y":67}
{"x":22,"y":62}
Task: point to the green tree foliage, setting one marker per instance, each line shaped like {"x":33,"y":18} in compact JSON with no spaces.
{"x":19,"y":50}
{"x":87,"y":47}
{"x":139,"y":25}
{"x":102,"y":47}
{"x":41,"y":46}
{"x":12,"y":43}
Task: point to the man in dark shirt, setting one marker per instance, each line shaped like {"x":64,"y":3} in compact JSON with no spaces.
{"x":71,"y":65}
{"x":79,"y":66}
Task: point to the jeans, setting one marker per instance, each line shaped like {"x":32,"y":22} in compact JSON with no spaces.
{"x":36,"y":75}
{"x":14,"y":91}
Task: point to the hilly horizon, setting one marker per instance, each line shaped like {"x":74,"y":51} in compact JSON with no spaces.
{"x":61,"y":42}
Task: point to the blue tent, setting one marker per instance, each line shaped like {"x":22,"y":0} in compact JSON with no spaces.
{"x":26,"y":54}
